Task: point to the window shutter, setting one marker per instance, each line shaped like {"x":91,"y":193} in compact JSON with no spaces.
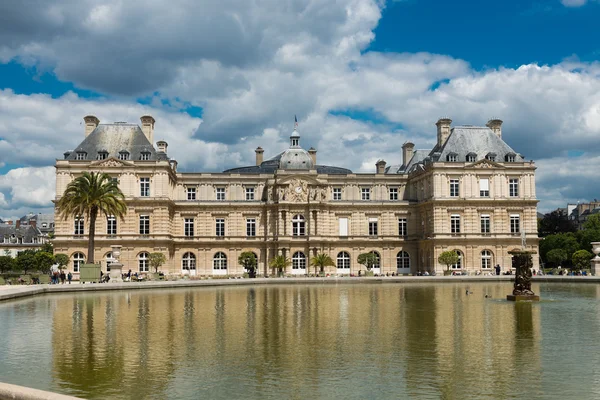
{"x":343,"y":226}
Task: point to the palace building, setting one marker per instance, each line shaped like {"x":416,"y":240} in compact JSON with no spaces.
{"x":471,"y":193}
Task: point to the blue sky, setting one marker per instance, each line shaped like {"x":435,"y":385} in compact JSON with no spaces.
{"x":222,"y":77}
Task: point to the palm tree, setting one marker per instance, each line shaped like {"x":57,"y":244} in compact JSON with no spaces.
{"x":88,"y":195}
{"x":321,"y":261}
{"x":280,"y":263}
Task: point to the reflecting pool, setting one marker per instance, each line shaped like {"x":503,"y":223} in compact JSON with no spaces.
{"x":419,"y":341}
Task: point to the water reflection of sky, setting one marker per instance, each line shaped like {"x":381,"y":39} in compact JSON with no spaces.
{"x":353,"y":341}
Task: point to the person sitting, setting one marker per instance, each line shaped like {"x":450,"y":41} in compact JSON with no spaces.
{"x":426,"y":273}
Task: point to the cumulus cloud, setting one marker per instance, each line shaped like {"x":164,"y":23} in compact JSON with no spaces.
{"x":251,"y":66}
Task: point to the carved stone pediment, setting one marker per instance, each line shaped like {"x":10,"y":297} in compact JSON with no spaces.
{"x":485,"y":164}
{"x":110,"y":163}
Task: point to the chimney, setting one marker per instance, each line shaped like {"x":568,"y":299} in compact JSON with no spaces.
{"x":91,"y":122}
{"x":32,"y":222}
{"x":407,"y":152}
{"x":380,"y":164}
{"x":443,"y":130}
{"x":18,"y":223}
{"x":259,"y":155}
{"x":148,"y":127}
{"x":173,"y":164}
{"x":313,"y":154}
{"x":162,"y":146}
{"x":495,"y":125}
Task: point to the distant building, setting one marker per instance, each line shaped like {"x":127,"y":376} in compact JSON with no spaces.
{"x":16,"y":238}
{"x":44,"y":222}
{"x":582,"y":211}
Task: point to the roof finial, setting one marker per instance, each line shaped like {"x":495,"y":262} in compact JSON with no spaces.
{"x":295,"y":122}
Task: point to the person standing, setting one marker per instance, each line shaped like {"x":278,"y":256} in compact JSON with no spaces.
{"x":69,"y":277}
{"x":62,"y":277}
{"x":497,"y":269}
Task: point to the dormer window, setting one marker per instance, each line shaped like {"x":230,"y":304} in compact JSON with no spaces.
{"x":510,"y":157}
{"x":81,"y":155}
{"x":145,"y":156}
{"x":123,"y":155}
{"x":490,"y":156}
{"x":102,"y":155}
{"x":471,"y":157}
{"x":452,"y":157}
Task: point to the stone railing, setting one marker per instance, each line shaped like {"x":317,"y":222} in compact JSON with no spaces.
{"x":14,"y":392}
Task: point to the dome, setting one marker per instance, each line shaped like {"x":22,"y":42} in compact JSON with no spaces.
{"x":296,"y":159}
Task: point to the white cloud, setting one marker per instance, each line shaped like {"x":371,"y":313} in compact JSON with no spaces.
{"x":573,"y":3}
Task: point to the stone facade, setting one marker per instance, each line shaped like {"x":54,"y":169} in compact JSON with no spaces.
{"x":407,"y":214}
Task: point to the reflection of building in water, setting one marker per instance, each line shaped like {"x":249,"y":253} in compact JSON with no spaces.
{"x":421,"y":333}
{"x":471,"y":193}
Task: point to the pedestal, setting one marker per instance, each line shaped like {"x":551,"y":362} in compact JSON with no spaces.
{"x":116,"y":272}
{"x":523,"y":297}
{"x":595,"y":266}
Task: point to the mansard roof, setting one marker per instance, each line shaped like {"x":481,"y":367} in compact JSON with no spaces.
{"x":115,"y":138}
{"x":26,"y":232}
{"x":272,"y":164}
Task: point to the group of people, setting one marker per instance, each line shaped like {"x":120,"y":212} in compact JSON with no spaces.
{"x":60,"y":276}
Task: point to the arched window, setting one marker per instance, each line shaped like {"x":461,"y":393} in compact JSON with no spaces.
{"x":377,"y":259}
{"x":458,"y":265}
{"x":486,"y":259}
{"x":298,"y":225}
{"x":143,"y":264}
{"x":299,"y":260}
{"x":220,"y":261}
{"x":109,"y":260}
{"x":343,"y":260}
{"x":403,"y":260}
{"x":78,"y":261}
{"x":188,"y":262}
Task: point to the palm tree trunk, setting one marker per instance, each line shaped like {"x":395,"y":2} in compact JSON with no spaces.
{"x":92,"y":234}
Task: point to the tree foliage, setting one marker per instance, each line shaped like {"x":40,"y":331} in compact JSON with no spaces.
{"x":43,"y":261}
{"x":556,"y":222}
{"x":25,"y":261}
{"x":62,"y":260}
{"x":368,"y":260}
{"x":88,"y":195}
{"x":581,"y":259}
{"x":7,"y":263}
{"x":448,"y":258}
{"x":248,"y":260}
{"x":321,"y":261}
{"x":156,"y":260}
{"x":280,"y":263}
{"x":557,"y":256}
{"x":565,"y":241}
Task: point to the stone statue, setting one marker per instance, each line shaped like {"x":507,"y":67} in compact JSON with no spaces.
{"x":521,"y":261}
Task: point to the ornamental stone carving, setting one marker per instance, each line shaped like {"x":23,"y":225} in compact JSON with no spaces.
{"x":111,"y":163}
{"x":297,"y":191}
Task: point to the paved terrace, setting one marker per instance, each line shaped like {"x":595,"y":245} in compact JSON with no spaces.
{"x":8,"y":292}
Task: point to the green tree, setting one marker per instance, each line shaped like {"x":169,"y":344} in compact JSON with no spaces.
{"x":556,"y":222}
{"x":43,"y":261}
{"x":581,"y":259}
{"x":368,"y":260}
{"x":155,"y":260}
{"x":6,"y":264}
{"x":448,"y":258}
{"x":47,"y":247}
{"x":25,"y":261}
{"x":565,"y":241}
{"x":321,"y":261}
{"x":592,"y":223}
{"x":88,"y":195}
{"x":62,"y":260}
{"x":557,"y":256}
{"x":248,"y":260}
{"x":280,"y":263}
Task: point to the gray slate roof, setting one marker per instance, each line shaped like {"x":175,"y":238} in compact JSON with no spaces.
{"x":418,"y":157}
{"x":272,"y":164}
{"x":26,"y":232}
{"x":480,"y":140}
{"x":114,"y":138}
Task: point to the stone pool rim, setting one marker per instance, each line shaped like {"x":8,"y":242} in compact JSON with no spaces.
{"x":33,"y":290}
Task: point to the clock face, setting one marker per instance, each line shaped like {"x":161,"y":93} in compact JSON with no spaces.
{"x":298,"y":189}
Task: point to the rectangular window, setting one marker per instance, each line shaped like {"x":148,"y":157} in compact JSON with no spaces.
{"x":249,"y":193}
{"x":111,"y":225}
{"x":515,"y":223}
{"x":144,"y":224}
{"x":365,"y":193}
{"x":188,"y":227}
{"x":513,"y":187}
{"x":220,"y":194}
{"x":220,"y":226}
{"x":484,"y":187}
{"x":337,"y":193}
{"x":372,"y":226}
{"x":393,"y":194}
{"x":343,"y":222}
{"x":402,"y":227}
{"x":455,"y":223}
{"x":79,"y":225}
{"x":191,"y":193}
{"x":485,"y":223}
{"x":454,"y":188}
{"x":251,"y":227}
{"x":144,"y":187}
{"x":145,"y":157}
{"x":80,"y":156}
